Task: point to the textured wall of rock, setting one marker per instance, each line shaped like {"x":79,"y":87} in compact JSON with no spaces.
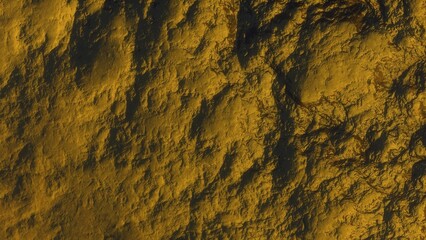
{"x":200,"y":119}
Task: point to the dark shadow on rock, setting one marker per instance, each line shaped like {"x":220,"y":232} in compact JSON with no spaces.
{"x":284,"y":150}
{"x":25,"y":157}
{"x":86,"y":36}
{"x":134,"y":95}
{"x":148,"y":34}
{"x":52,"y":65}
{"x":248,"y":33}
{"x":299,"y":205}
{"x":198,"y":120}
{"x":418,"y":171}
{"x":419,"y":137}
{"x":376,"y":144}
{"x":420,"y":76}
{"x":16,"y":79}
{"x":90,"y":163}
{"x":248,"y":177}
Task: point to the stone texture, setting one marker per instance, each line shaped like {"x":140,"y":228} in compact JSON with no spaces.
{"x":202,"y":119}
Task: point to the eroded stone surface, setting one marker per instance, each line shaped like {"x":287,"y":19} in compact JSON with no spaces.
{"x":199,"y":119}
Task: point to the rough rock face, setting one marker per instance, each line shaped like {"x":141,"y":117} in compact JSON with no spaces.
{"x":212,"y":119}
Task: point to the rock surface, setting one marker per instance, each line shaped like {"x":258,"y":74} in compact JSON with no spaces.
{"x":202,"y":119}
